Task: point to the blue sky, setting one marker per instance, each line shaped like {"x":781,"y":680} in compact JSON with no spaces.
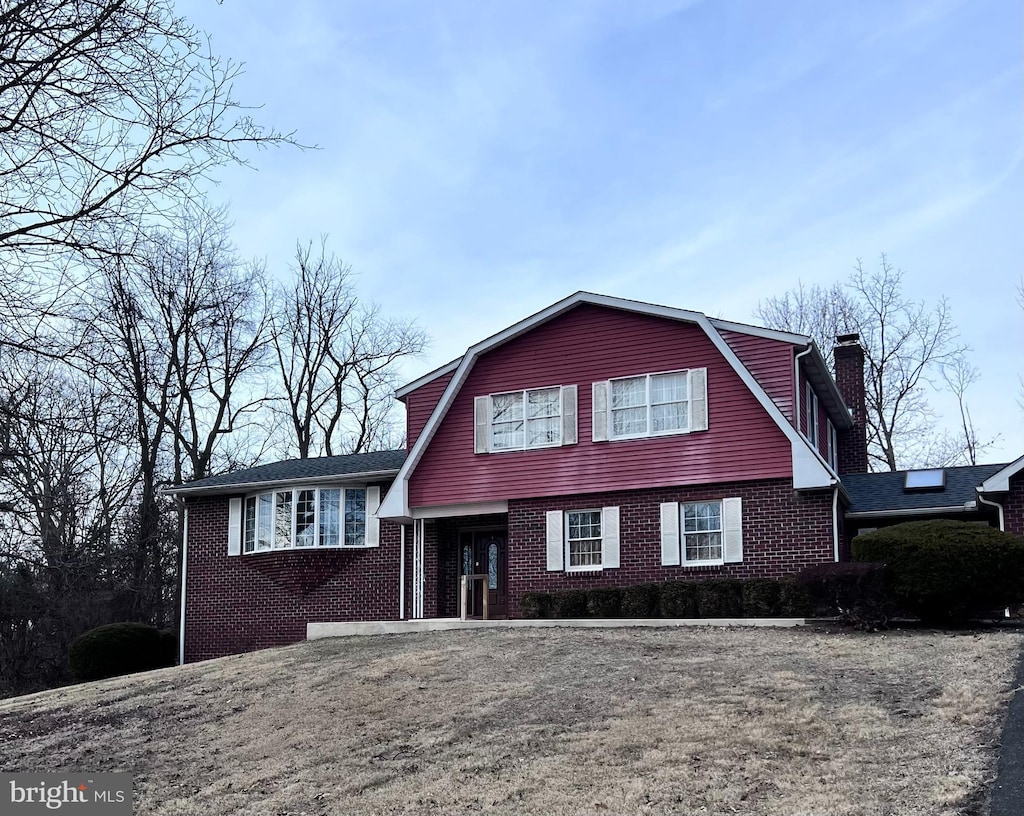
{"x":478,"y":161}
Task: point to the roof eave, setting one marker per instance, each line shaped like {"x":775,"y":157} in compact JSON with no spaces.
{"x":248,"y":487}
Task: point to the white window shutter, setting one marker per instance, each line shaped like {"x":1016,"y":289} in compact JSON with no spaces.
{"x":609,"y":537}
{"x":556,"y":543}
{"x":372,"y":522}
{"x":569,"y":411}
{"x":481,"y":424}
{"x":698,"y":399}
{"x":235,"y":527}
{"x":670,"y":534}
{"x":600,"y":423}
{"x":732,"y":530}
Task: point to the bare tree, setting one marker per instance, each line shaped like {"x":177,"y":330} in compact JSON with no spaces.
{"x":909,"y":347}
{"x":109,"y":109}
{"x":336,"y":358}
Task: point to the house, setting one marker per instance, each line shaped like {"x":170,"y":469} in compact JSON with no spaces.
{"x":599,"y":442}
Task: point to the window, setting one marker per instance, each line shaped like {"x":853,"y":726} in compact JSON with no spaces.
{"x":833,"y":446}
{"x":523,"y":420}
{"x":703,"y":533}
{"x":526,"y":419}
{"x":927,"y":479}
{"x":812,"y":416}
{"x":306,"y":517}
{"x":671,"y":402}
{"x":583,"y":538}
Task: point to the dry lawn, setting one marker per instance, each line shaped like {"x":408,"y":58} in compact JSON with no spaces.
{"x":546,"y":721}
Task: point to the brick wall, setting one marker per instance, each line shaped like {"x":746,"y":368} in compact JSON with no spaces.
{"x":783,"y":531}
{"x":1013,"y":506}
{"x":245,"y":602}
{"x":852,"y":455}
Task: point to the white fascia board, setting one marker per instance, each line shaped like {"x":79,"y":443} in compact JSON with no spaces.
{"x":845,"y":415}
{"x":999,"y":482}
{"x":460,"y":510}
{"x":254,"y":487}
{"x":408,"y":388}
{"x":969,"y":507}
{"x":395,"y":505}
{"x":760,"y":331}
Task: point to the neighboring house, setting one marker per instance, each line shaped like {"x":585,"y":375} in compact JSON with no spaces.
{"x":600,"y":442}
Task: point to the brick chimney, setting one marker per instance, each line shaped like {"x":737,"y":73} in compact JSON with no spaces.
{"x":849,"y":364}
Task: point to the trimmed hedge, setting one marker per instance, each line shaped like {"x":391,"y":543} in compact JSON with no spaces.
{"x":569,"y":603}
{"x":121,"y":648}
{"x":641,"y":601}
{"x":947,"y":570}
{"x":604,"y":602}
{"x":761,"y":598}
{"x":720,"y":598}
{"x":853,"y":592}
{"x":679,"y":599}
{"x":535,"y":605}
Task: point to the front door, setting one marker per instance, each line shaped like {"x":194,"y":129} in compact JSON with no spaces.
{"x":485,"y":552}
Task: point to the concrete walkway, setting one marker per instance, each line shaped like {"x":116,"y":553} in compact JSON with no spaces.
{"x":314,"y":631}
{"x":1008,"y":790}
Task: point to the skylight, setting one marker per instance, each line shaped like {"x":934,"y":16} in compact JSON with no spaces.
{"x":929,"y":479}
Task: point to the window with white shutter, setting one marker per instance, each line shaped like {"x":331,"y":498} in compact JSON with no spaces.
{"x":695,"y":534}
{"x":525,"y":420}
{"x":307,"y":518}
{"x":670,"y":402}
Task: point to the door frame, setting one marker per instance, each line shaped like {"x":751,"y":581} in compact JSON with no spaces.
{"x":472,"y":531}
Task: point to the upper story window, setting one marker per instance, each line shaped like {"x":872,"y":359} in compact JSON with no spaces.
{"x":524,"y":420}
{"x":306,"y":517}
{"x":833,"y":446}
{"x":670,"y":402}
{"x":812,"y":415}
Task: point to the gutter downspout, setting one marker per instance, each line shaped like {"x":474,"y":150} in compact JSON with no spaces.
{"x":401,"y":578}
{"x":184,"y":577}
{"x":796,"y":386}
{"x":998,"y":506}
{"x":835,"y":521}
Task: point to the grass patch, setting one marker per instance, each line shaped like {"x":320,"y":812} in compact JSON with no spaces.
{"x":546,"y":721}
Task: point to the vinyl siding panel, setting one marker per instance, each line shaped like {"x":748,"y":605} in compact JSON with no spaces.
{"x":771,"y":363}
{"x":420,"y":404}
{"x":588,"y":344}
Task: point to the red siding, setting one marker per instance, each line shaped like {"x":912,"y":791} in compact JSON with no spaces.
{"x":420,"y":404}
{"x":588,"y":344}
{"x":245,"y":602}
{"x":771,"y":363}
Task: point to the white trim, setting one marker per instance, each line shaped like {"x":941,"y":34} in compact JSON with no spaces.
{"x":430,"y":376}
{"x":835,"y":523}
{"x":760,"y":331}
{"x":418,"y":534}
{"x":371,"y":522}
{"x":401,"y":573}
{"x":1000,"y":482}
{"x":708,"y":562}
{"x":184,"y":584}
{"x":670,"y":552}
{"x":649,"y":405}
{"x":524,"y":393}
{"x":236,"y":516}
{"x":567,"y":556}
{"x":998,"y":506}
{"x":351,"y":479}
{"x":969,"y":507}
{"x":457,"y":510}
{"x":809,"y":470}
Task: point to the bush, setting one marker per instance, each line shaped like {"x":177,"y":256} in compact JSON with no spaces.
{"x":604,"y":602}
{"x":853,"y":592}
{"x":720,"y":598}
{"x":535,"y":605}
{"x":947,"y":570}
{"x":760,"y":598}
{"x":794,"y":599}
{"x":569,"y":603}
{"x":641,"y":601}
{"x":121,"y":648}
{"x":678,"y":599}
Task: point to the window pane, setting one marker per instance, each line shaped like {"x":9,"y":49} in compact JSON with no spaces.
{"x":506,"y":407}
{"x":305,"y":517}
{"x":543,"y":403}
{"x":249,"y":528}
{"x":545,"y":432}
{"x":629,"y":393}
{"x":668,"y":388}
{"x":584,"y":538}
{"x":629,"y":421}
{"x":492,"y":565}
{"x":330,"y":517}
{"x":266,"y":521}
{"x":704,"y":547}
{"x":672,"y":416}
{"x":283,"y":521}
{"x":467,"y":560}
{"x":507,"y":435}
{"x":355,"y":518}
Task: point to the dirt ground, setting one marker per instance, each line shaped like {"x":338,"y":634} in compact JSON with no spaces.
{"x":546,"y":721}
